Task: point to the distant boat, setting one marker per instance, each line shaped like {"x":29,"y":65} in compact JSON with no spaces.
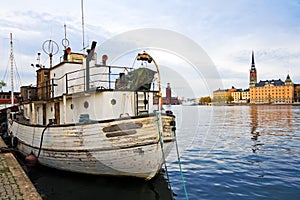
{"x":5,"y":99}
{"x":94,"y":118}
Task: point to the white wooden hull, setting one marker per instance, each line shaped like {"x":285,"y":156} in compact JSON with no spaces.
{"x":123,"y":147}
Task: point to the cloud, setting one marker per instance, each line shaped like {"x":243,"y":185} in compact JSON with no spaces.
{"x":227,"y":31}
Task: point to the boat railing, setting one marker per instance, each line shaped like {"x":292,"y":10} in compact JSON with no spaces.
{"x":101,"y":77}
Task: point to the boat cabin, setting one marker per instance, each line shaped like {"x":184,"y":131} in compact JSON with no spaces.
{"x":80,"y":90}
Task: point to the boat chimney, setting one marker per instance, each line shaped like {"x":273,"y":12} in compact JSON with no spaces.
{"x":87,"y":67}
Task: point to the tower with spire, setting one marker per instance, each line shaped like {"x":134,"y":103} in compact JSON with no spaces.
{"x":253,"y":73}
{"x":288,"y":80}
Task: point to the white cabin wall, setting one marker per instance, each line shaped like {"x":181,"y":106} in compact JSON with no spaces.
{"x":27,"y":111}
{"x":100,"y":106}
{"x":39,"y":114}
{"x":50,"y":114}
{"x":76,"y":83}
{"x":32,"y":116}
{"x":58,"y":73}
{"x":100,"y":77}
{"x":124,"y":104}
{"x":71,"y":114}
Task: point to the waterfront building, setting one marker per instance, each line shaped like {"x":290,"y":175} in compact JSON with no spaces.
{"x":273,"y":91}
{"x":219,"y":96}
{"x":168,"y":99}
{"x":270,"y":91}
{"x":241,"y":96}
{"x":246,"y":95}
{"x":222,"y":96}
{"x":297,"y":93}
{"x":237,"y":95}
{"x":5,"y":99}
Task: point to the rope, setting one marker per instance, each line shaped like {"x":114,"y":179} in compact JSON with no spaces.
{"x":163,"y":153}
{"x":42,"y":137}
{"x":180,"y":168}
{"x":6,"y":150}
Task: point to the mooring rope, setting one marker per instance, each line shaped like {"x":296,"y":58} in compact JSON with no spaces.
{"x":163,"y":153}
{"x":180,"y":168}
{"x":6,"y":150}
{"x":178,"y":158}
{"x":42,"y":138}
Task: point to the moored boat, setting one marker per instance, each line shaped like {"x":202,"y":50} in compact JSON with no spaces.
{"x":94,"y":118}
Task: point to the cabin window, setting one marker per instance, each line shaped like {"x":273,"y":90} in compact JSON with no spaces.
{"x":86,"y":104}
{"x":71,"y":106}
{"x":51,"y":109}
{"x":113,"y":102}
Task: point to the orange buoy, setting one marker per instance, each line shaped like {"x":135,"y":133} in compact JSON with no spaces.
{"x":30,"y":160}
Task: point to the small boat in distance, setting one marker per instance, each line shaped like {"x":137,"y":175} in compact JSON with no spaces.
{"x":94,"y":118}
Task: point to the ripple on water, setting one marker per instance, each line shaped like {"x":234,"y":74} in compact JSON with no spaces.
{"x":241,"y":153}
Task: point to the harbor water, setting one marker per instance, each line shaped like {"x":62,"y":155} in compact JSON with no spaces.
{"x":226,"y":152}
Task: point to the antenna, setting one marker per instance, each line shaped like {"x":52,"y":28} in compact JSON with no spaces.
{"x":12,"y":70}
{"x":82,"y":23}
{"x":65,"y":28}
{"x":51,"y":48}
{"x":65,"y":42}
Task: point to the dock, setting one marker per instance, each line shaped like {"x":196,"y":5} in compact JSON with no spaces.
{"x":14,"y":183}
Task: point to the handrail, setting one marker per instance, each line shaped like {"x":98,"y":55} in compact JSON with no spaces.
{"x":69,"y":77}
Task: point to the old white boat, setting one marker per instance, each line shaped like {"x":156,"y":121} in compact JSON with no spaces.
{"x":94,"y":118}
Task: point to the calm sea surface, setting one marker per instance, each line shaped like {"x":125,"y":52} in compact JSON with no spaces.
{"x":232,"y":152}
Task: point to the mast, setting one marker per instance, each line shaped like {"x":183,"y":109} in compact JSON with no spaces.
{"x":12,"y":70}
{"x":82,"y":24}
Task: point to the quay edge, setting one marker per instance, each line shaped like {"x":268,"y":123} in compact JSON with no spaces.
{"x":14,"y":183}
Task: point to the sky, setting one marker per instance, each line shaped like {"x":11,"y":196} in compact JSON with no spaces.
{"x":223,"y":33}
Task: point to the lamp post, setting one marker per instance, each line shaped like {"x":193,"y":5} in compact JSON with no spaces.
{"x":146,"y":57}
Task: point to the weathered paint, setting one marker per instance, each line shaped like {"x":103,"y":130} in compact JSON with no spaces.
{"x":86,"y":148}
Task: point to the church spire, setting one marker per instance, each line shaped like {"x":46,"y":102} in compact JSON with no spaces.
{"x":253,"y":63}
{"x":253,"y":74}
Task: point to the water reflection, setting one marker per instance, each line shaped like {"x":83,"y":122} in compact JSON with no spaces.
{"x":55,"y":184}
{"x":269,"y":120}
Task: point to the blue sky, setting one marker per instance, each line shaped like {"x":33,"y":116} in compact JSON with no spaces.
{"x":226,"y":30}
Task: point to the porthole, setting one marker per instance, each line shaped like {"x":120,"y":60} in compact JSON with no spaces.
{"x":86,"y":104}
{"x":113,"y":102}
